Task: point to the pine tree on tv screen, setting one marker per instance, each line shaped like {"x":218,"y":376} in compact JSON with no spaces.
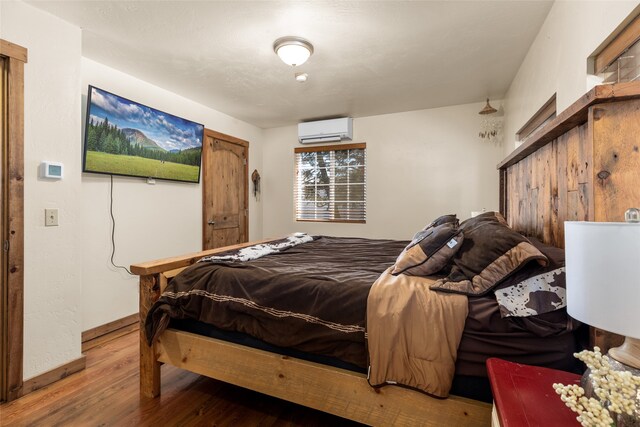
{"x":123,"y":137}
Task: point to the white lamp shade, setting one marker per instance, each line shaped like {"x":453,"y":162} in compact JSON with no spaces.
{"x":603,"y":275}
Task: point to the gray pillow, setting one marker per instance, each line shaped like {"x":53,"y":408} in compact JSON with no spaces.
{"x":429,"y":251}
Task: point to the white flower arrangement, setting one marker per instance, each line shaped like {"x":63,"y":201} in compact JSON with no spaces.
{"x":617,"y":392}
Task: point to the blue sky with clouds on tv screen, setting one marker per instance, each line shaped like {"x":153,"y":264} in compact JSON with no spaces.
{"x":168,"y":131}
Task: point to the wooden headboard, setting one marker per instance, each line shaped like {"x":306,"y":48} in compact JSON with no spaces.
{"x":584,"y":165}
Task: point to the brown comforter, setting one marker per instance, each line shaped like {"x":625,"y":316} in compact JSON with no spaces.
{"x":311,"y":297}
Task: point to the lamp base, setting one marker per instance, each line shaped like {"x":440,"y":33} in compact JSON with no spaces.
{"x":628,"y":353}
{"x":621,"y":420}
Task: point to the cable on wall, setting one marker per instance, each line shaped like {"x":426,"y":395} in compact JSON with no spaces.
{"x":113,"y":230}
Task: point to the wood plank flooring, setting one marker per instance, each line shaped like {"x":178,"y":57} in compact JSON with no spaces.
{"x":106,"y":393}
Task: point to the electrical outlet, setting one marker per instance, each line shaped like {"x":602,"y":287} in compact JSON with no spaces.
{"x":50,"y":217}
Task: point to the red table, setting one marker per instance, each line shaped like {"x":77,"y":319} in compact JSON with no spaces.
{"x":524,"y":395}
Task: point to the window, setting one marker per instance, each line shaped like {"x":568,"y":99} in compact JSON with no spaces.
{"x":619,"y":60}
{"x":544,"y":115}
{"x":330,"y":183}
{"x":626,"y":67}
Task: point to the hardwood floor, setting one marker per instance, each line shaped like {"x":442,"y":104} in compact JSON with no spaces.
{"x":106,"y":393}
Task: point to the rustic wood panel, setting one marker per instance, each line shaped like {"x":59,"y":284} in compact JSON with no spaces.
{"x":616,"y":128}
{"x":343,"y":393}
{"x":592,"y":170}
{"x":13,"y":219}
{"x":225,"y":190}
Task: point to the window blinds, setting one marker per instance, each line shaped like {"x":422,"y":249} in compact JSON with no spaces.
{"x":330,"y":183}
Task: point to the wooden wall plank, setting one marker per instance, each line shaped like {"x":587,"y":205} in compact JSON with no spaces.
{"x":551,"y":234}
{"x":616,"y":127}
{"x":573,"y":203}
{"x":15,"y":226}
{"x":573,"y":162}
{"x":563,"y":187}
{"x":545,"y":193}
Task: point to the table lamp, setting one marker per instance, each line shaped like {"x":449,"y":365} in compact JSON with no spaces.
{"x":603,"y":280}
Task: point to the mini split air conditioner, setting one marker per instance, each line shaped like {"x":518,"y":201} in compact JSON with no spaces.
{"x":326,"y":130}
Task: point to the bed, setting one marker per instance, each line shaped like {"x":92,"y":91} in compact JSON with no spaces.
{"x":347,"y":393}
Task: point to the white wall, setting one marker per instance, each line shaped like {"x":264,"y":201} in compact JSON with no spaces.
{"x":53,"y":273}
{"x":420,"y":164}
{"x":557,"y":59}
{"x":152,"y":221}
{"x":69,"y":286}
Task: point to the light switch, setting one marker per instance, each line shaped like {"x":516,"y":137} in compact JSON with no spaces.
{"x":50,"y":217}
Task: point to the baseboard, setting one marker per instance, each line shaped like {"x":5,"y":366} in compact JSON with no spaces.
{"x":55,"y":374}
{"x":101,"y":334}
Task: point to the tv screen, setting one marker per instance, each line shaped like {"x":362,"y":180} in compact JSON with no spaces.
{"x":123,"y":137}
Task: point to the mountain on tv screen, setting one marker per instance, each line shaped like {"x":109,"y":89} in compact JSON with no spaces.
{"x":123,"y":137}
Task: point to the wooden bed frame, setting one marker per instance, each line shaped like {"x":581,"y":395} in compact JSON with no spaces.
{"x":582,"y":165}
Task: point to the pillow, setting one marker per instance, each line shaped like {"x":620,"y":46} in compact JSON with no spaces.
{"x":483,"y":217}
{"x":444,"y":219}
{"x":429,"y":251}
{"x":534,"y":289}
{"x":490,"y":252}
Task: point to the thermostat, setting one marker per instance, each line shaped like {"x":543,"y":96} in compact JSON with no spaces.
{"x":52,"y":170}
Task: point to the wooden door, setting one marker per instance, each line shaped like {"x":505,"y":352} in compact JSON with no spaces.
{"x":224,"y":190}
{"x":12,"y":63}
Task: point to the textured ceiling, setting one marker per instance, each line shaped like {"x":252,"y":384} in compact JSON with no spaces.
{"x":371,"y":57}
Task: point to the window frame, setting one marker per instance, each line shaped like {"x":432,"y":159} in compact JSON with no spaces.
{"x":617,"y":46}
{"x":540,"y":118}
{"x":297,"y":189}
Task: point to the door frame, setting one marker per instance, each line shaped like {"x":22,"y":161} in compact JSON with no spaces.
{"x":206,"y":186}
{"x":12,"y":229}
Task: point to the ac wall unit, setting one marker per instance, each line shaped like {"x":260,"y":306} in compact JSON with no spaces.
{"x":326,"y":130}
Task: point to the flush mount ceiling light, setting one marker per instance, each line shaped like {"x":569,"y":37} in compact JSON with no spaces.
{"x":293,"y":50}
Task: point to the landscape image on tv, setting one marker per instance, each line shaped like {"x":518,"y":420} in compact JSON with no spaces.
{"x":123,"y":137}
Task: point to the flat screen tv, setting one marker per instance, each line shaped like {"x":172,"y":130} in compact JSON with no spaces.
{"x":123,"y":137}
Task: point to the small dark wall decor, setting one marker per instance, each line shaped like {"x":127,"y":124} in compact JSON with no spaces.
{"x":255,"y":178}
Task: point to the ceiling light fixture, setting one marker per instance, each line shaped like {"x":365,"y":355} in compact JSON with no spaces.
{"x":292,"y":50}
{"x":491,"y":124}
{"x":488,"y":109}
{"x":301,"y":77}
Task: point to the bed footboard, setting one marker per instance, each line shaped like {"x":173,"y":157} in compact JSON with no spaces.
{"x":153,"y":279}
{"x":149,"y":365}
